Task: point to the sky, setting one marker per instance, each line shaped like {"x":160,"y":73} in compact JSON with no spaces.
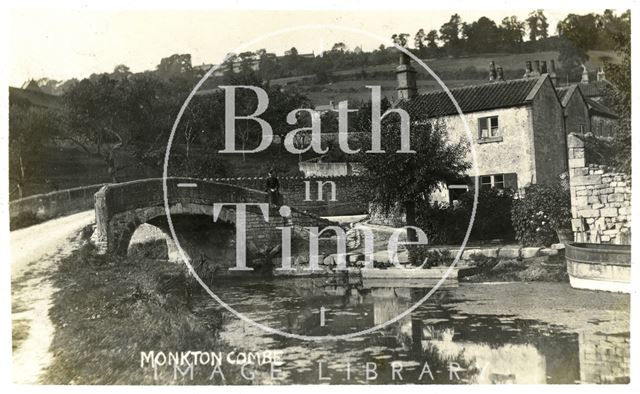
{"x":66,"y":43}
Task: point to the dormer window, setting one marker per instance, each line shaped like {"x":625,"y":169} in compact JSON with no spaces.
{"x":488,"y":127}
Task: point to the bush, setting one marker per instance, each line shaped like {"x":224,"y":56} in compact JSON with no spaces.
{"x":448,"y":224}
{"x":435,"y":257}
{"x":483,"y":263}
{"x":543,"y":210}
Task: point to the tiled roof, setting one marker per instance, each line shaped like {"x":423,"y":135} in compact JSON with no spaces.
{"x":596,"y":107}
{"x":565,"y":93}
{"x":483,"y":97}
{"x":593,"y":89}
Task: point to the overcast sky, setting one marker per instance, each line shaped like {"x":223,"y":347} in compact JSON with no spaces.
{"x":62,"y":44}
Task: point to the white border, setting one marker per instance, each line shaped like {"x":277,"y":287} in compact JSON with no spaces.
{"x":452,"y":5}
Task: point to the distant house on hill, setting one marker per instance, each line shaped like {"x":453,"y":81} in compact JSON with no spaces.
{"x":517,"y":126}
{"x":32,"y":95}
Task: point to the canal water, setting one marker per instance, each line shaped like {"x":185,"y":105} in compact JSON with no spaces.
{"x":464,"y":333}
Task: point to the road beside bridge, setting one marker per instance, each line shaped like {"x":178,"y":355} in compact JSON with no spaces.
{"x":35,"y":252}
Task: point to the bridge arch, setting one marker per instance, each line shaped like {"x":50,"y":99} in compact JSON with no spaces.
{"x":122,"y":208}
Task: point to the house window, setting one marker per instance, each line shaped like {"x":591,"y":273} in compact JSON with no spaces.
{"x":498,"y":181}
{"x":488,"y":127}
{"x":485,"y":182}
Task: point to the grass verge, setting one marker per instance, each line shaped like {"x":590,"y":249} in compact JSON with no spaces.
{"x":106,"y":313}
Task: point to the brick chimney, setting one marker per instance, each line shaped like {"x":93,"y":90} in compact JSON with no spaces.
{"x":528,"y":70}
{"x":406,"y":76}
{"x":552,"y":73}
{"x":492,"y":71}
{"x":500,"y":74}
{"x":543,"y":67}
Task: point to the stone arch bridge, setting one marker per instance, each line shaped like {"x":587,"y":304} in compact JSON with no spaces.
{"x":121,"y":208}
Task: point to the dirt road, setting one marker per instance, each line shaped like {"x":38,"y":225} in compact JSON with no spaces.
{"x":35,"y":252}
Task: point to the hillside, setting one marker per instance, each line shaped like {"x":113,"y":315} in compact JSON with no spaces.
{"x":455,"y":72}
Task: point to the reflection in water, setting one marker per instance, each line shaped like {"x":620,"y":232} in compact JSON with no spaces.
{"x":604,"y":358}
{"x":434,"y":344}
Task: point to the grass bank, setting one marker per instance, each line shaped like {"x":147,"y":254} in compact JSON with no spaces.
{"x":106,"y":313}
{"x":537,"y":269}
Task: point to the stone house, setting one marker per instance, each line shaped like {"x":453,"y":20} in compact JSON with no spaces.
{"x":517,"y":126}
{"x":584,"y":110}
{"x":576,"y":110}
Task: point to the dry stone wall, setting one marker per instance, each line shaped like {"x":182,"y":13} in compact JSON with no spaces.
{"x":600,"y":199}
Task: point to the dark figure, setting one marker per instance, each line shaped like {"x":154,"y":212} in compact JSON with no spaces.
{"x":273,"y":188}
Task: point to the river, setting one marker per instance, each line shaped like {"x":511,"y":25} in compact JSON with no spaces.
{"x":464,"y":333}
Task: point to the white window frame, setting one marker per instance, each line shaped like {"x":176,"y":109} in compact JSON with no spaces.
{"x":493,"y":181}
{"x":493,"y":131}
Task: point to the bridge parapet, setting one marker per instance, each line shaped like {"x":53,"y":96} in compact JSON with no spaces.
{"x":123,"y":207}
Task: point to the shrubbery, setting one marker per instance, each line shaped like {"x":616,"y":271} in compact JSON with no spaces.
{"x":543,"y":210}
{"x":448,"y":224}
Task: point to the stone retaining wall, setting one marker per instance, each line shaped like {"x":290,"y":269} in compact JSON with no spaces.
{"x":600,"y":199}
{"x":51,"y":205}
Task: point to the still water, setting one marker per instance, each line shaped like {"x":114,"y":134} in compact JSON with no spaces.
{"x":466,"y":333}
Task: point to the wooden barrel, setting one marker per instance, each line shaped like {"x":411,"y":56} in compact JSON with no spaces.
{"x":598,"y":253}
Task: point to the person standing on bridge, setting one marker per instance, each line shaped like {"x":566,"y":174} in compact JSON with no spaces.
{"x":273,"y":188}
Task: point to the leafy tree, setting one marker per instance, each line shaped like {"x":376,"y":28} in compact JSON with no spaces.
{"x":511,"y":32}
{"x":481,"y":35}
{"x":400,"y":39}
{"x":571,"y":57}
{"x":339,"y":47}
{"x":175,"y":64}
{"x":29,"y":129}
{"x":580,"y":30}
{"x":247,"y":60}
{"x":611,"y":25}
{"x":620,"y":76}
{"x":405,"y":179}
{"x":538,"y":25}
{"x":121,"y":71}
{"x":105,"y":115}
{"x":419,"y":39}
{"x":450,"y":32}
{"x":431,"y":39}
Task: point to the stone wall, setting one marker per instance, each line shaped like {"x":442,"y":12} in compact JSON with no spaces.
{"x":349,"y":199}
{"x":121,"y":208}
{"x":51,"y":205}
{"x":600,"y":199}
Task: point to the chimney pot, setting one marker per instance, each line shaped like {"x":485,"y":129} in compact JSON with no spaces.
{"x":500,"y":74}
{"x":536,"y":68}
{"x":543,"y":67}
{"x":528,"y":71}
{"x":585,"y":74}
{"x":492,"y":71}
